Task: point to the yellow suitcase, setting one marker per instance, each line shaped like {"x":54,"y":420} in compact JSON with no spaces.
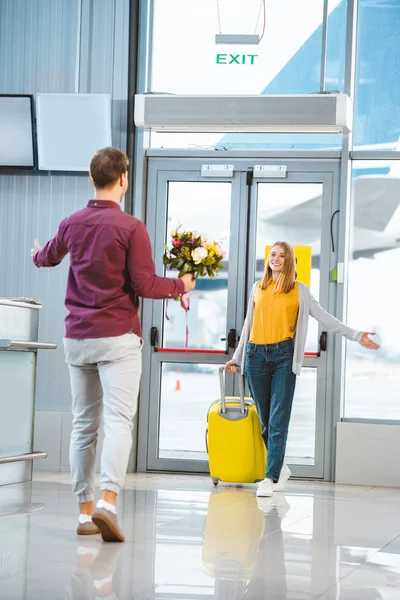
{"x":236,"y":450}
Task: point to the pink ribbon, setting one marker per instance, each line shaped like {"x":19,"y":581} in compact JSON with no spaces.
{"x":185,"y":303}
{"x":166,"y":310}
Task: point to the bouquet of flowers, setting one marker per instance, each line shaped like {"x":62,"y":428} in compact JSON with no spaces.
{"x":192,"y":253}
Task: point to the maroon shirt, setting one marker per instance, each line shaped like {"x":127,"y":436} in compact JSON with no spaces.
{"x":111,"y":265}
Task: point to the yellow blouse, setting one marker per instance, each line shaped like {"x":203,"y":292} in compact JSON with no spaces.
{"x":275,"y":315}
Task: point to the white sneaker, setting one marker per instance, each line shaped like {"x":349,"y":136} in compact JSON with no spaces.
{"x":265,"y":489}
{"x":283,"y":478}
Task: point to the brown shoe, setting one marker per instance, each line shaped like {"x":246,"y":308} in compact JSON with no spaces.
{"x":107,"y":522}
{"x":87,"y":529}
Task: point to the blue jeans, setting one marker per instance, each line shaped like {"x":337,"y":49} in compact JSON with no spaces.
{"x":271,"y":381}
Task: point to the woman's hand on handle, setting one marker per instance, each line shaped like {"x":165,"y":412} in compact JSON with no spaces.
{"x":231,"y":367}
{"x":367,"y":342}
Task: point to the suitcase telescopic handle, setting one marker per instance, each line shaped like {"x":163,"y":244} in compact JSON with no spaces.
{"x":222,"y":388}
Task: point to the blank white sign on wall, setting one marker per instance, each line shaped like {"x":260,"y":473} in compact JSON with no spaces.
{"x":70,"y":128}
{"x":16,"y":135}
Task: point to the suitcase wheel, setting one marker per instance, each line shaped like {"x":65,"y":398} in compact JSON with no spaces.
{"x":215,"y":481}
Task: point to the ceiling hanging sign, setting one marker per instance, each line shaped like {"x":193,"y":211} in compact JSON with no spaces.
{"x":237,"y":38}
{"x":250,"y":39}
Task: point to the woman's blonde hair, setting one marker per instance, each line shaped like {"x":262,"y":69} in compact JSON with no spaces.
{"x":287,"y":277}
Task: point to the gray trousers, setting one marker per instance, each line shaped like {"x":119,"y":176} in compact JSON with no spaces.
{"x":105,"y":377}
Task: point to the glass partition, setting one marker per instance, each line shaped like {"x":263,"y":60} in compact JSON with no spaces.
{"x":287,"y":60}
{"x":372,"y":384}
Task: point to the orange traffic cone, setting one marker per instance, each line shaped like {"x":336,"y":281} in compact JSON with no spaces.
{"x":178,"y":386}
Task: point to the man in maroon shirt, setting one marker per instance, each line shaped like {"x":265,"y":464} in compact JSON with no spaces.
{"x":111,"y":265}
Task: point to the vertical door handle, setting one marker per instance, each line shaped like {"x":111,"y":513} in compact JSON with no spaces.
{"x":154,"y":338}
{"x":323,"y":342}
{"x":230,"y":340}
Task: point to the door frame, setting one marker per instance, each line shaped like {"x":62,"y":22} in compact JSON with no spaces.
{"x":327,"y":173}
{"x":301,"y":163}
{"x":158,"y":187}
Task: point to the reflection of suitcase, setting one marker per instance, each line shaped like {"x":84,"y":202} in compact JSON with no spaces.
{"x":236,"y":450}
{"x":233,"y":530}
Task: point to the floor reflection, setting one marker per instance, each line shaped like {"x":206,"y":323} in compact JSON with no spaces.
{"x":96,"y":564}
{"x":243,"y":545}
{"x":189,"y":541}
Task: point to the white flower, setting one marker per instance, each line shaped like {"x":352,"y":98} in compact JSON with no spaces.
{"x":198,"y":254}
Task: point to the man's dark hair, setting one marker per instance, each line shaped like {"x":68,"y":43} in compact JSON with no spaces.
{"x":107,"y":166}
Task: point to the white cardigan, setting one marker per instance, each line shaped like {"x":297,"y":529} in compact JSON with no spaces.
{"x":307,"y":306}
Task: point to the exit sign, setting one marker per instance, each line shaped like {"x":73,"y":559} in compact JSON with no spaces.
{"x":236,"y":59}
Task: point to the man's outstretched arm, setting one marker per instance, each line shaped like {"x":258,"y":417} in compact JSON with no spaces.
{"x":52,"y":253}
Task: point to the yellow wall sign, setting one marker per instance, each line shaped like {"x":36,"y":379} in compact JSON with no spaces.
{"x":303,"y":262}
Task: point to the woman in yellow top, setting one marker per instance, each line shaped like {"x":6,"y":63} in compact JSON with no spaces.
{"x":271,"y":352}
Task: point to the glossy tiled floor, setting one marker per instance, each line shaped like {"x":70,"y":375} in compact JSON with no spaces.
{"x":186,"y":540}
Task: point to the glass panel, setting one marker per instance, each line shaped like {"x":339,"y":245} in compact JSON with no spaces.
{"x":286,"y":61}
{"x":187,"y":390}
{"x":246,"y":141}
{"x":291,"y":212}
{"x":377,"y":106}
{"x":206,"y":319}
{"x":17,"y":376}
{"x":301,"y":439}
{"x":372,"y":298}
{"x":336,"y":45}
{"x":186,"y":46}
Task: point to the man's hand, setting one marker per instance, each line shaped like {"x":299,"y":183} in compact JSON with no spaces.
{"x":36,"y":247}
{"x":367,"y":342}
{"x":189,"y":282}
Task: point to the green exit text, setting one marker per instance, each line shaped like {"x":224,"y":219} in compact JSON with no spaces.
{"x":236,"y":59}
